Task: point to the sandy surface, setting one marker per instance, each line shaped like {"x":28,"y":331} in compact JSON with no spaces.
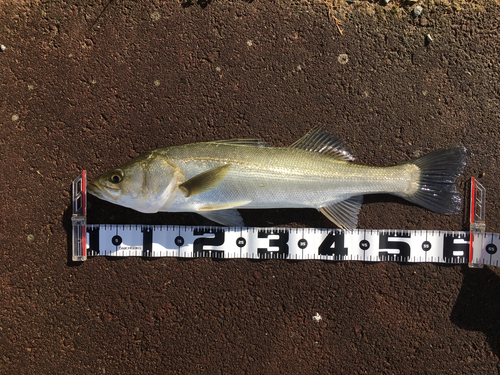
{"x":88,"y":85}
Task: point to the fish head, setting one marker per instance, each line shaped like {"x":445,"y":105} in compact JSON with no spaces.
{"x":144,"y":183}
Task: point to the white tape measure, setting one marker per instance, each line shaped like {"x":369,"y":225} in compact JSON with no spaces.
{"x":474,"y":247}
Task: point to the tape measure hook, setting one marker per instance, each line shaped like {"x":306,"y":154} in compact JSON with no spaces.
{"x":79,"y":218}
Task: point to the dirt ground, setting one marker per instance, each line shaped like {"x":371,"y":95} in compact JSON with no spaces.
{"x":89,"y":84}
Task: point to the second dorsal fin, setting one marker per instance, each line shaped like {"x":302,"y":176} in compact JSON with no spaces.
{"x":318,"y":140}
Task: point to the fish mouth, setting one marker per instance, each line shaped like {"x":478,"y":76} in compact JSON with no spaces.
{"x":95,"y":190}
{"x":104,"y":193}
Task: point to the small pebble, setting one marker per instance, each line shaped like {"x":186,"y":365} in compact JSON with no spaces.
{"x":385,"y":2}
{"x":155,"y":16}
{"x":417,"y":11}
{"x":30,"y":238}
{"x":2,"y":48}
{"x":428,"y":39}
{"x":317,"y":317}
{"x":343,"y":58}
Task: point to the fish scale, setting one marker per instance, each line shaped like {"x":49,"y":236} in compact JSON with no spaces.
{"x":287,"y":186}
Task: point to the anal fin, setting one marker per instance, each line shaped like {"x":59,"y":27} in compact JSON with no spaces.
{"x":344,"y":213}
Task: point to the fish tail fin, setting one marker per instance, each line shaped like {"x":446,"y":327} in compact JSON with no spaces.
{"x":439,"y":171}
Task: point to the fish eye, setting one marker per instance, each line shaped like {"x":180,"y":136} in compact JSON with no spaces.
{"x":116,"y":177}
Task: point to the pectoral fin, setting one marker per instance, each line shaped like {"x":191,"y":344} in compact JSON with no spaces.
{"x":204,"y":181}
{"x":344,"y":213}
{"x":230,"y":218}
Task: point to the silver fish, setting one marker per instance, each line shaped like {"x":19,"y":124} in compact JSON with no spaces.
{"x":214,"y":179}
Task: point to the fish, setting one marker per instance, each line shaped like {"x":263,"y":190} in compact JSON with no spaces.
{"x":215,"y":179}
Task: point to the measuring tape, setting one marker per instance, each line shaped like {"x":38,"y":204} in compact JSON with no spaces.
{"x":416,"y":246}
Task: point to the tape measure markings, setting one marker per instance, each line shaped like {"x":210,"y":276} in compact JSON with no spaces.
{"x":283,"y":243}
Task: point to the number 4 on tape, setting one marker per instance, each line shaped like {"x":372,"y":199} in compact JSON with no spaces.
{"x":474,"y":247}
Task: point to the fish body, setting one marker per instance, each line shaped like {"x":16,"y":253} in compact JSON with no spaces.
{"x":215,"y":179}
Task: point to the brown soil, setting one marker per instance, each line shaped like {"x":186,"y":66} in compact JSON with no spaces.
{"x":88,"y":85}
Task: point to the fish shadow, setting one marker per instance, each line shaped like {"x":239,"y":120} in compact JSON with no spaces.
{"x":478,"y":307}
{"x":102,"y":212}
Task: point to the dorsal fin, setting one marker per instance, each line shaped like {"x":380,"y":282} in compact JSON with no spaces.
{"x":244,"y":142}
{"x":318,"y":140}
